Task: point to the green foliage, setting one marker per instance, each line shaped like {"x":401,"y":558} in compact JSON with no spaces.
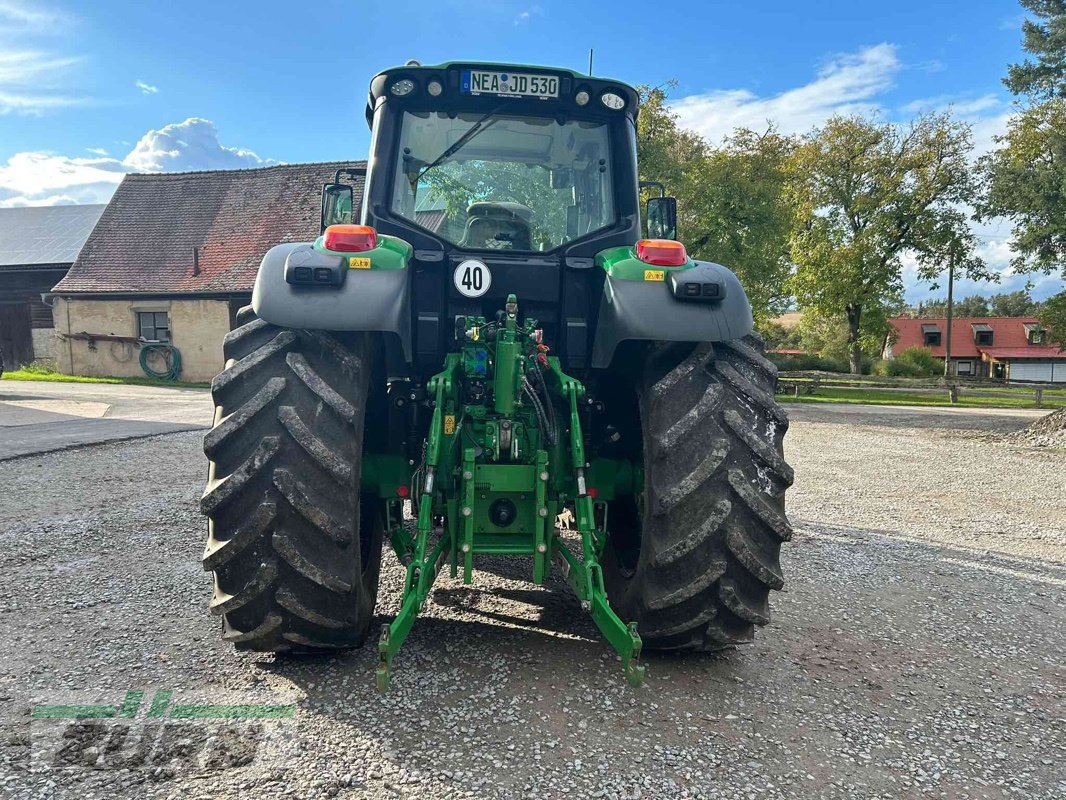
{"x":825,"y":336}
{"x":810,"y":362}
{"x":37,"y":368}
{"x":865,"y":193}
{"x":733,"y":206}
{"x":922,"y":359}
{"x":1012,"y":304}
{"x":1024,"y":181}
{"x":894,"y":368}
{"x":1025,"y":176}
{"x":778,"y":337}
{"x":1053,"y":317}
{"x":1005,"y":304}
{"x":1045,"y":38}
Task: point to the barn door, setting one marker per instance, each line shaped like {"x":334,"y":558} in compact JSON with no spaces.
{"x":16,"y":342}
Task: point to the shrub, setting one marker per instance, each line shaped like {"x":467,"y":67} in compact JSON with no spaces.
{"x":808,"y":362}
{"x":927,"y":364}
{"x":897,"y":368}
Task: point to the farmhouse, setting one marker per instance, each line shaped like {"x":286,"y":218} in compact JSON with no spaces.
{"x":37,"y":246}
{"x":172,"y":259}
{"x":1013,"y":349}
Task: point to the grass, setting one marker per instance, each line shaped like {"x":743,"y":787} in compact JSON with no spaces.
{"x":988,"y":398}
{"x":38,"y":374}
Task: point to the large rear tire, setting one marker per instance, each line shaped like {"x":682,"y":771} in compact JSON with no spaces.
{"x":294,"y":547}
{"x":693,"y":559}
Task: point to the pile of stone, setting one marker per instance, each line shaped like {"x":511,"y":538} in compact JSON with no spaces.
{"x":1048,"y":431}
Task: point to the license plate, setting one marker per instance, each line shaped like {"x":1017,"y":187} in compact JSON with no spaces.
{"x":509,"y":84}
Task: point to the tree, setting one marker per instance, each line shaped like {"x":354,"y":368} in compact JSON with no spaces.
{"x":866,"y":193}
{"x":733,"y":205}
{"x":1012,"y":304}
{"x":742,"y":216}
{"x":1024,"y":182}
{"x":777,"y":337}
{"x":973,"y":306}
{"x":1024,"y":177}
{"x":1053,"y":317}
{"x":1045,"y":39}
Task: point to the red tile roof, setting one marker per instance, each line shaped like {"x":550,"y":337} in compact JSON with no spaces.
{"x":1007,"y":332}
{"x":144,"y":240}
{"x":1033,"y":351}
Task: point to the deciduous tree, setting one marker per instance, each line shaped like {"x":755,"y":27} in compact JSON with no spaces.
{"x":733,"y":206}
{"x":1026,"y":175}
{"x":865,"y":194}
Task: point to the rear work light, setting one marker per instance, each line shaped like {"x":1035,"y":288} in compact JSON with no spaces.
{"x":662,"y":252}
{"x":349,"y":238}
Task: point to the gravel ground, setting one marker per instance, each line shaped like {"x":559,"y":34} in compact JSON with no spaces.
{"x":916,"y":652}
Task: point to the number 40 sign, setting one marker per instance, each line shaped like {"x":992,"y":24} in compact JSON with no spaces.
{"x":472,"y":278}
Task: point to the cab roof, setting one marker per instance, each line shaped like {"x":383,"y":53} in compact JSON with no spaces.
{"x":450,"y":75}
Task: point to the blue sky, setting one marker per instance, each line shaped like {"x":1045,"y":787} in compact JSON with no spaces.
{"x":89,"y":91}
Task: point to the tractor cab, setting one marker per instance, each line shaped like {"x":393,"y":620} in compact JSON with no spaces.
{"x":503,"y":179}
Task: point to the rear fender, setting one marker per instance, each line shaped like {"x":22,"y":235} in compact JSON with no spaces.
{"x":368,"y":291}
{"x":642,"y":302}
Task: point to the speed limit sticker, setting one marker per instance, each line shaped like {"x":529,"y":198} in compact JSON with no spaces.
{"x":472,"y":278}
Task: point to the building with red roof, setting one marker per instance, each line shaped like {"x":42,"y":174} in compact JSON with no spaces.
{"x":1014,"y":349}
{"x":172,"y":258}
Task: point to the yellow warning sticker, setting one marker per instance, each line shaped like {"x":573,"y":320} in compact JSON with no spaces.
{"x":356,"y":262}
{"x":449,"y":424}
{"x":654,"y":275}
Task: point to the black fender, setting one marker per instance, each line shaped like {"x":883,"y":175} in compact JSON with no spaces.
{"x":366,"y":299}
{"x":654,"y":311}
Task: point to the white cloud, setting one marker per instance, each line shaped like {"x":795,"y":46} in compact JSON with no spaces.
{"x":30,"y":75}
{"x":36,"y":178}
{"x":146,"y":88}
{"x":957,"y":104}
{"x":97,"y":151}
{"x":47,"y":179}
{"x":525,"y":16}
{"x":847,"y":84}
{"x":189,"y":145}
{"x":857,"y":83}
{"x":25,"y":16}
{"x":1013,"y":23}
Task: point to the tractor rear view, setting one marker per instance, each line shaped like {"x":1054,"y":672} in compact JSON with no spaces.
{"x":490,"y":345}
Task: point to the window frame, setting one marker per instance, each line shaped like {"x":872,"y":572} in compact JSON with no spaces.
{"x":155,"y":327}
{"x":392,"y":174}
{"x":979,"y":338}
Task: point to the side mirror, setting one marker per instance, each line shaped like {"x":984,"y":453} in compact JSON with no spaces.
{"x":336,"y":204}
{"x":662,"y":218}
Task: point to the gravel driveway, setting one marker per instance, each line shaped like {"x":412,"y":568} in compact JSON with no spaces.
{"x":918,"y":649}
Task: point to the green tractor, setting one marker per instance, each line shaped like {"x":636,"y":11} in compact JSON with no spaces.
{"x":495,"y":343}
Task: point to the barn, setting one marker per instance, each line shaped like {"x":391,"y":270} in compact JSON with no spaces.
{"x":38,"y":244}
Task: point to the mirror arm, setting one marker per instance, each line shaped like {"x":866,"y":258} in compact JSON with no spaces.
{"x":351,"y":172}
{"x":654,"y":185}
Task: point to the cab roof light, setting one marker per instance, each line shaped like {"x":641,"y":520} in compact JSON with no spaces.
{"x":349,"y":238}
{"x":662,"y":252}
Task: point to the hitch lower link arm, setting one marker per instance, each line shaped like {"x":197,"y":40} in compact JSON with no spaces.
{"x":422,"y":569}
{"x":585,"y":576}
